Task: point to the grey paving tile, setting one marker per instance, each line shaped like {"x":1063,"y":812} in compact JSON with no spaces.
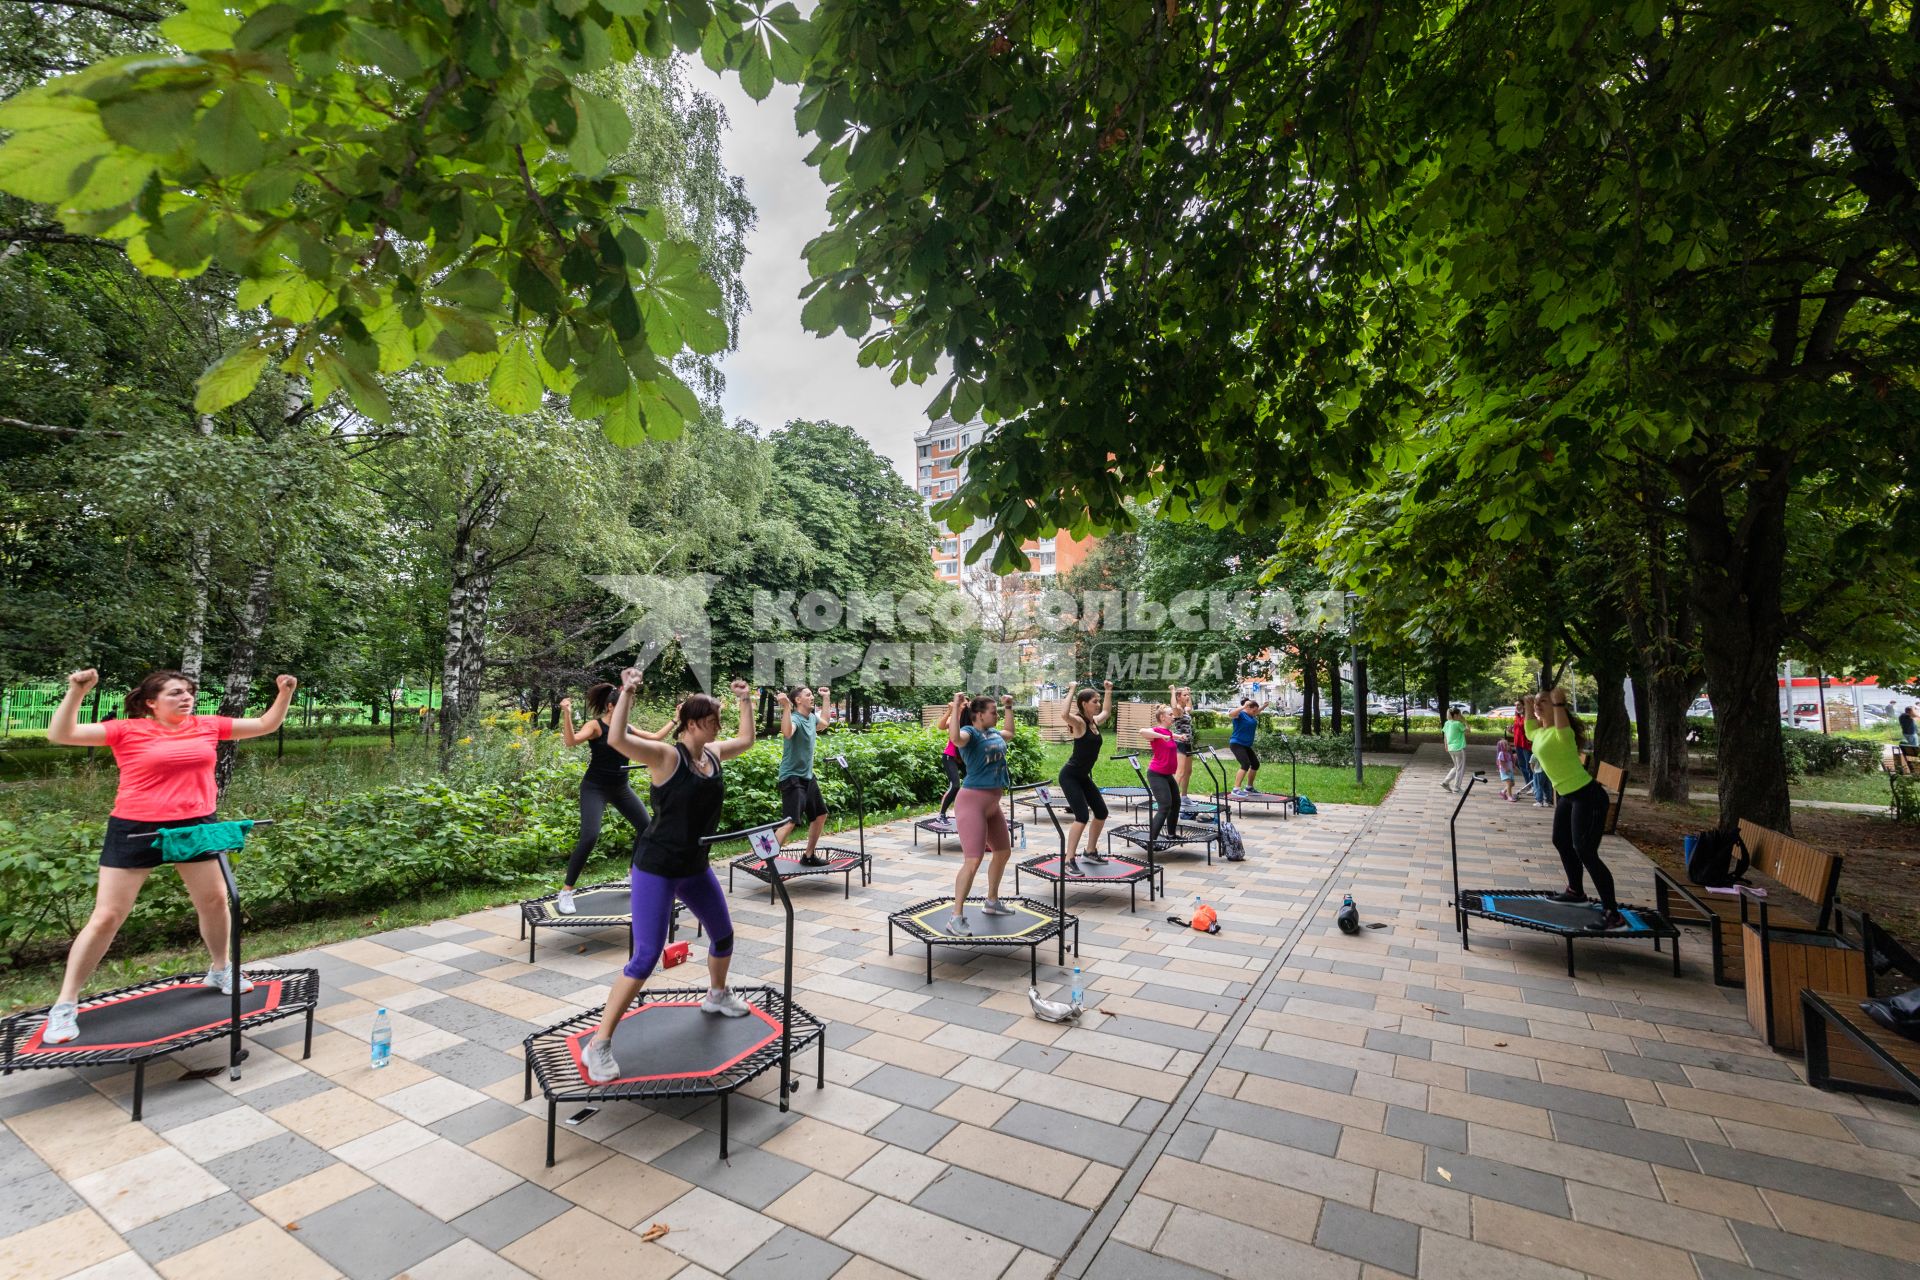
{"x":1283,"y":1066}
{"x":1001,"y":1209}
{"x":405,"y":940}
{"x":911,"y":1087}
{"x":451,"y":1014}
{"x":1624,"y":1140}
{"x":1721,"y":1269}
{"x":61,"y":1086}
{"x":1765,"y":1068}
{"x":272,"y":1162}
{"x":1109,"y":1144}
{"x":195,"y":1225}
{"x":1633,"y":1064}
{"x":1189,"y":1141}
{"x":17,"y":1161}
{"x":749,"y":1119}
{"x":1117,"y":1261}
{"x":1484,"y":1021}
{"x":791,"y":1255}
{"x":374,"y":1234}
{"x":1145,"y":1115}
{"x":1184,"y":999}
{"x":1370,"y":1237}
{"x":912,"y":1128}
{"x":279,"y":1037}
{"x":1805,"y":1259}
{"x":1281,"y":992}
{"x":1147,"y":1031}
{"x":1875,"y":1195}
{"x":505,"y":1218}
{"x":1443,"y":1133}
{"x":1876,"y":1133}
{"x":965,"y":1014}
{"x":28,"y":1202}
{"x":172,"y":1103}
{"x":1033,"y":1057}
{"x":547,"y":983}
{"x":750,"y":1176}
{"x":476,"y":1122}
{"x":1404,"y":1045}
{"x":282,"y":1092}
{"x":474,"y":1065}
{"x":1499,"y":1181}
{"x":1551,"y":1097}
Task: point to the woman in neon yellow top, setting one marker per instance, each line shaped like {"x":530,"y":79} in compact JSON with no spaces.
{"x":1580,"y":816}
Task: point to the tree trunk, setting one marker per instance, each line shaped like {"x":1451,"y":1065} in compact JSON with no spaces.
{"x":1333,"y":694}
{"x":1612,"y":734}
{"x":199,"y":574}
{"x":462,"y":652}
{"x":1442,"y":686}
{"x":242,"y":660}
{"x":1309,"y":697}
{"x":1640,"y":724}
{"x":1738,"y":562}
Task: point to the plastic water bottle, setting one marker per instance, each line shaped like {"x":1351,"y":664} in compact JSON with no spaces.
{"x":1079,"y":996}
{"x":382,"y":1040}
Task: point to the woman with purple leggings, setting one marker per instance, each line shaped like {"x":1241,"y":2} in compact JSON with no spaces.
{"x":669,"y":861}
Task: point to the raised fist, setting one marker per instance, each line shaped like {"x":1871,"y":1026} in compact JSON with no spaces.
{"x":740,"y":688}
{"x":81,"y":681}
{"x":566,"y":706}
{"x":287,"y":684}
{"x":630,"y":679}
{"x":783,"y":701}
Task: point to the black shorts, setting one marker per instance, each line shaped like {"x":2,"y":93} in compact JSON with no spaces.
{"x":1244,"y":754}
{"x":1184,"y":748}
{"x":121,"y":850}
{"x":1082,"y":796}
{"x":801,"y":801}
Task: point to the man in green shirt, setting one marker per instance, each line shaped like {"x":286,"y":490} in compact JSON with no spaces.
{"x":1454,"y":730}
{"x":800,"y":798}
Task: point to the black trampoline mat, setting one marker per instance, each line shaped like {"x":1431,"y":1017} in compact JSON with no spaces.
{"x":600,"y":904}
{"x":1124,"y":791}
{"x":153,"y":1017}
{"x":675,"y":1041}
{"x":787,"y":865}
{"x":1561,"y":917}
{"x":1021,"y":925}
{"x":1111,"y":869}
{"x":938,"y":824}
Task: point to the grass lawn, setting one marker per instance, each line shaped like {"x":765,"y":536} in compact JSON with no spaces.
{"x":1322,"y":784}
{"x":1848,"y":788}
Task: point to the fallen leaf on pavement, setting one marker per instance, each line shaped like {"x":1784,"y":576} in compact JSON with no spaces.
{"x":654,"y":1232}
{"x":1443,"y":1173}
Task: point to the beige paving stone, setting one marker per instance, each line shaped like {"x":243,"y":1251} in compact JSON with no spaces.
{"x":1242,"y":1252}
{"x":467,"y":1260}
{"x":898,"y":1172}
{"x":147,"y":1188}
{"x":434,"y":1098}
{"x":1445,"y":1075}
{"x":1014,"y":1160}
{"x":123,"y":1266}
{"x":1448,"y":1257}
{"x":1600,"y":1081}
{"x":1051,"y":1090}
{"x":59,"y":1248}
{"x":713,"y":1231}
{"x":333,"y":1052}
{"x":975,"y":1106}
{"x":83,"y":1136}
{"x":906,"y":1026}
{"x":649,"y":1137}
{"x":1654,"y":1220}
{"x":336,"y":1012}
{"x":258,"y":1249}
{"x":1113,"y":1048}
{"x":1602,"y":1168}
{"x":859,"y":1268}
{"x":1140,"y":1224}
{"x":382,"y":1145}
{"x":1313,"y":1029}
{"x":1873,"y":1232}
{"x":205,"y":1140}
{"x":1225,"y":1082}
{"x":579,"y":1245}
{"x":822,"y":1146}
{"x":444,"y":1178}
{"x":502,"y":997}
{"x":378,"y":991}
{"x":1292,"y":1167}
{"x":1490,"y":1111}
{"x":522,"y":1148}
{"x":378,"y":1082}
{"x":1092,"y":1186}
{"x":818,"y":1204}
{"x":1379,"y":1151}
{"x":1300,"y":1099}
{"x":1800,"y":1120}
{"x":915,"y":1056}
{"x":1716,"y":1196}
{"x":312,"y":1193}
{"x":845,"y":1107}
{"x":1683,"y":1124}
{"x":1390,"y":1090}
{"x":1895,"y":1166}
{"x":1423,"y":1203}
{"x":1234,"y":1196}
{"x":922,"y":1244}
{"x":1599,"y":1252}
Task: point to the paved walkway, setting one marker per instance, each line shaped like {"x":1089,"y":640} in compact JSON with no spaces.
{"x":1276,"y":1101}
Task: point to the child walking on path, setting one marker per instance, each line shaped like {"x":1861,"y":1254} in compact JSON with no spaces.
{"x":1503,"y":761}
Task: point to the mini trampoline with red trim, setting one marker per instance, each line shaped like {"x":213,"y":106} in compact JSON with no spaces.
{"x":134,"y":1025}
{"x":787,"y":865}
{"x":670,"y":1049}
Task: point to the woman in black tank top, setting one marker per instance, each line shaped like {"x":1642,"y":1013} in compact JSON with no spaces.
{"x":1086,"y":712}
{"x":669,"y":862}
{"x":603,"y":784}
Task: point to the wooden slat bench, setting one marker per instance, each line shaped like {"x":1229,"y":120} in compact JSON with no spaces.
{"x":1863,"y":1057}
{"x":1807,"y":876}
{"x":1614,"y":779}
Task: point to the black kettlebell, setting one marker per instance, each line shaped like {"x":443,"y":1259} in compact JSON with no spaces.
{"x":1349,"y":917}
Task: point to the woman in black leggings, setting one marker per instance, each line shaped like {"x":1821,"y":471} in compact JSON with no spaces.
{"x":1086,"y":712}
{"x":1580,"y":816}
{"x":1162,"y":780}
{"x":604,"y":783}
{"x":950,"y":761}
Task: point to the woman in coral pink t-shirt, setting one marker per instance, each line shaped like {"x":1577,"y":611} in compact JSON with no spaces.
{"x":166,"y":754}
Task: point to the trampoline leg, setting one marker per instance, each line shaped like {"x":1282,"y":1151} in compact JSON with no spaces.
{"x":1464,"y":944}
{"x":820,"y":1077}
{"x":306,"y":1050}
{"x":533,"y":940}
{"x":1033,"y":963}
{"x":553,"y":1110}
{"x":1569,"y":955}
{"x":723,"y":1120}
{"x":139,"y":1086}
{"x":1133,"y":896}
{"x":528,"y":1095}
{"x":929,"y":964}
{"x":1676,"y":957}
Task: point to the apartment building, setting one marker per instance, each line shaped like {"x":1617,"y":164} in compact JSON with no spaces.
{"x":939,"y":469}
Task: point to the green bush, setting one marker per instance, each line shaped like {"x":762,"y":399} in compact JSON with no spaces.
{"x":1906,"y":799}
{"x":507,"y":810}
{"x":1325,"y":748}
{"x":1808,"y":752}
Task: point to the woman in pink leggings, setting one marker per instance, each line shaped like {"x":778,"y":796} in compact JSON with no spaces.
{"x":983,"y":785}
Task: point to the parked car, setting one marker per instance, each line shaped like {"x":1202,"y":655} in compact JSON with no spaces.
{"x":1700,"y":707}
{"x":1805,"y":715}
{"x":1500,"y":713}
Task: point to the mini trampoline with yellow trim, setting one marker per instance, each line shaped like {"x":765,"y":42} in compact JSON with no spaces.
{"x":1031,"y":924}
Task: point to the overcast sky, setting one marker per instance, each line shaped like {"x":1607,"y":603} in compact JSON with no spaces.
{"x":781,"y":371}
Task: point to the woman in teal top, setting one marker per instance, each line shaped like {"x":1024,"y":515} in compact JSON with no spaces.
{"x":975,"y":734}
{"x":1580,"y":817}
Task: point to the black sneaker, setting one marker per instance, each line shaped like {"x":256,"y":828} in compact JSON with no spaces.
{"x":1074,"y":868}
{"x":1570,"y":896}
{"x":1094,"y":857}
{"x":813,"y":860}
{"x":1613,"y":920}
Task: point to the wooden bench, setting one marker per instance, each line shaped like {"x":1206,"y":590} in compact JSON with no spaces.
{"x":1613,"y":779}
{"x":1863,"y":1057}
{"x":1804,"y":872}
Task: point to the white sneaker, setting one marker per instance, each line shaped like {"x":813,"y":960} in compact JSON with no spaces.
{"x":63,"y":1024}
{"x":217,"y":979}
{"x":598,"y":1064}
{"x":959,"y":927}
{"x":564,"y":904}
{"x":995,"y":907}
{"x":726,"y":1004}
